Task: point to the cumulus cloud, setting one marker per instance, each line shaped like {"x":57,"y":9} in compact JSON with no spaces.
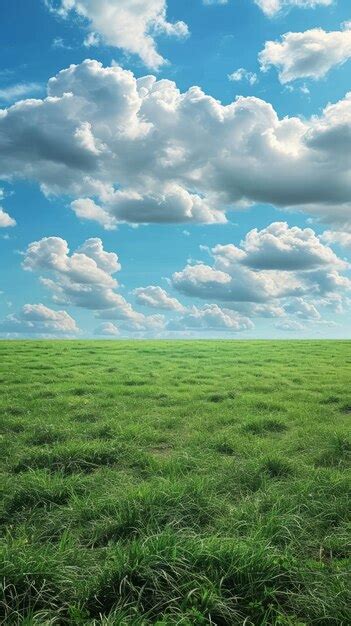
{"x":243,"y":74}
{"x":273,"y":267}
{"x":85,"y":279}
{"x":107,"y":329}
{"x":272,"y":7}
{"x":211,"y":317}
{"x":279,"y":247}
{"x":157,"y":298}
{"x":6,"y":220}
{"x":132,"y":25}
{"x":139,"y":150}
{"x":309,"y":54}
{"x":37,"y":319}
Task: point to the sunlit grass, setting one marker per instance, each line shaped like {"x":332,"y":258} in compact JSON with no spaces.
{"x":175,"y":483}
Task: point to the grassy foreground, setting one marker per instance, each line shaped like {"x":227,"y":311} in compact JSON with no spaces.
{"x":175,"y":483}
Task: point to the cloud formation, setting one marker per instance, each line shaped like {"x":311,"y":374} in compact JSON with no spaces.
{"x":272,"y":7}
{"x":157,"y":298}
{"x":6,"y":220}
{"x":139,"y":150}
{"x":289,"y":325}
{"x":280,"y":247}
{"x":310,"y":54}
{"x":37,"y":319}
{"x":107,"y":329}
{"x":19,"y":90}
{"x":85,"y":279}
{"x":132,"y":25}
{"x":272,"y":267}
{"x":341,"y":238}
{"x":243,"y":74}
{"x":211,"y":317}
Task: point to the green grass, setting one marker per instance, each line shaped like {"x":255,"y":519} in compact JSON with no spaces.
{"x":184,"y":483}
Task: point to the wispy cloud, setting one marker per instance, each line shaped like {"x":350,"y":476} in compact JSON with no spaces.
{"x":18,"y":90}
{"x":243,"y":74}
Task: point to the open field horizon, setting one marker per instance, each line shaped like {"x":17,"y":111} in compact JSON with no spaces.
{"x":175,"y":313}
{"x":175,"y":482}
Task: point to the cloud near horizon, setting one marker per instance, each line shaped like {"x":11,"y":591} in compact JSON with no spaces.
{"x":275,"y":272}
{"x":279,"y":272}
{"x":85,"y":279}
{"x":38,"y":319}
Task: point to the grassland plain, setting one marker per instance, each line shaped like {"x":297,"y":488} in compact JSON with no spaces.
{"x":179,"y":482}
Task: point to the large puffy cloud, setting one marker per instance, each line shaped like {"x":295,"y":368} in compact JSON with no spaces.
{"x":274,"y":264}
{"x":309,"y":54}
{"x":279,"y":247}
{"x":139,"y":150}
{"x":37,"y":319}
{"x":211,"y":317}
{"x":157,"y":298}
{"x":272,"y":7}
{"x":131,"y":25}
{"x":240,"y":285}
{"x":6,"y":220}
{"x":85,"y":279}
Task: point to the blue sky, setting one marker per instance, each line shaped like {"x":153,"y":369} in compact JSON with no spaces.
{"x":229,"y":206}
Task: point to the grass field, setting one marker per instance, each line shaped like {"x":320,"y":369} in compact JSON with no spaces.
{"x":175,"y":482}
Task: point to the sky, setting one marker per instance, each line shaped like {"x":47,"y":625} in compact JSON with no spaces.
{"x":175,"y":169}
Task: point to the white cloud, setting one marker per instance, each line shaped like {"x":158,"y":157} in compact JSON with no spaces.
{"x":279,"y":247}
{"x":132,"y":25}
{"x":6,"y":220}
{"x":85,"y":279}
{"x":92,"y":39}
{"x":339,"y":237}
{"x":38,"y":319}
{"x":139,"y":150}
{"x":309,"y":54}
{"x":107,"y":329}
{"x":272,"y":7}
{"x":303,"y":309}
{"x":274,"y":271}
{"x":87,"y":209}
{"x":130,"y":320}
{"x":211,"y":317}
{"x":12,"y":92}
{"x":157,"y":298}
{"x":243,"y":74}
{"x":290,"y":325}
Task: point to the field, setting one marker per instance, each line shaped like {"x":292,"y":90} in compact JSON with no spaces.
{"x":179,"y":482}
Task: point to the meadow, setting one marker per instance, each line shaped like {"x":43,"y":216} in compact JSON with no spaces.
{"x":185,"y":482}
